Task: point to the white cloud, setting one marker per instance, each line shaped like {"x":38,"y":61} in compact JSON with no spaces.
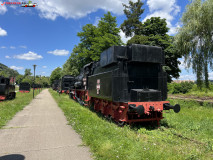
{"x":12,"y":47}
{"x":182,"y":65}
{"x":8,"y":57}
{"x":165,"y":5}
{"x":211,"y":75}
{"x":28,"y":56}
{"x":3,"y":8}
{"x":51,"y":9}
{"x":2,"y":31}
{"x":164,"y":9}
{"x":3,"y":47}
{"x":43,"y":72}
{"x":59,"y":52}
{"x":97,"y":19}
{"x":16,"y":68}
{"x":123,"y":37}
{"x":23,"y":47}
{"x":44,"y":66}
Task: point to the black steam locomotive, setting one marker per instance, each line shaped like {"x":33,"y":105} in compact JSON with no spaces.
{"x":66,"y":83}
{"x":127,"y":84}
{"x":55,"y":85}
{"x":24,"y":87}
{"x":36,"y":86}
{"x":7,"y":91}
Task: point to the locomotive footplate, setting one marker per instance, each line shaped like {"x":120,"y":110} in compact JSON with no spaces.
{"x":2,"y":98}
{"x":145,"y":111}
{"x":23,"y":91}
{"x":146,"y":107}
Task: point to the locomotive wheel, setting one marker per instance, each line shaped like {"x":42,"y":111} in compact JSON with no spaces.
{"x":109,"y":118}
{"x":121,"y":123}
{"x":9,"y":96}
{"x":91,"y":105}
{"x":14,"y":95}
{"x":71,"y":96}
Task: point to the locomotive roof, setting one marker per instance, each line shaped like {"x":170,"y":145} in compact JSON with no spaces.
{"x":134,"y":53}
{"x":67,"y":76}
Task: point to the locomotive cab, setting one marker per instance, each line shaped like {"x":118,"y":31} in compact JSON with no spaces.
{"x":4,"y":82}
{"x":24,"y":87}
{"x":7,"y":91}
{"x":66,"y":82}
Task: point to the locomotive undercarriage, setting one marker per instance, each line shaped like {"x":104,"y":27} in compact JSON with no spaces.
{"x":24,"y":91}
{"x":121,"y":112}
{"x":10,"y":96}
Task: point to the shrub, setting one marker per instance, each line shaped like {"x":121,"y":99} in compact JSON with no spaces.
{"x":183,"y":87}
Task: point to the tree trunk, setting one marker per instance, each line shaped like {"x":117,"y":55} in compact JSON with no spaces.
{"x":206,"y":74}
{"x":199,"y":73}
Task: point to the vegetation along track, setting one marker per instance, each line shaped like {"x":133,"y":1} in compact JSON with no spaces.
{"x":187,"y":135}
{"x":200,"y":100}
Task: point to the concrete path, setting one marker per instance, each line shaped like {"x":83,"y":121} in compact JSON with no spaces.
{"x":40,"y":132}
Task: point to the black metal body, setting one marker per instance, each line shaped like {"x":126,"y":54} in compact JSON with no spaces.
{"x":24,"y":86}
{"x":127,"y":74}
{"x":6,"y":89}
{"x":66,"y":82}
{"x":55,"y":84}
{"x":36,"y":86}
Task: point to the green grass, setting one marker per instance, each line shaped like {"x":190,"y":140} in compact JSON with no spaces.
{"x":196,"y":94}
{"x":10,"y":107}
{"x":16,"y":87}
{"x":200,"y":93}
{"x":187,"y":135}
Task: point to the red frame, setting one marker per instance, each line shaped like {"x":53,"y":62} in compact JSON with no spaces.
{"x":119,"y":110}
{"x":2,"y":98}
{"x":23,"y":91}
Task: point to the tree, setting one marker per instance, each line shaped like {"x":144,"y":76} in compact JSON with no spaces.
{"x":28,"y":80}
{"x":154,"y":33}
{"x":55,"y":75}
{"x":195,"y":38}
{"x":94,"y":40}
{"x":19,"y":79}
{"x":7,"y":72}
{"x":4,"y":74}
{"x":27,"y":72}
{"x":132,"y":26}
{"x":71,"y":66}
{"x":107,"y":35}
{"x":45,"y":81}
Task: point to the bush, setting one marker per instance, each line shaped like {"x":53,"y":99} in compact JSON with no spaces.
{"x":183,"y":87}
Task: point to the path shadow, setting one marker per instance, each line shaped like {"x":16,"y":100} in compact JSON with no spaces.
{"x":13,"y":157}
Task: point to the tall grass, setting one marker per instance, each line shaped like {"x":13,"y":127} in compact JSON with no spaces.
{"x":187,"y":135}
{"x":9,"y":108}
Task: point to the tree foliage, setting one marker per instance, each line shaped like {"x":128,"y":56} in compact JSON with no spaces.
{"x":195,"y":38}
{"x":55,"y":75}
{"x":154,"y":33}
{"x":132,"y":25}
{"x":93,"y":41}
{"x":27,"y":72}
{"x":7,"y":72}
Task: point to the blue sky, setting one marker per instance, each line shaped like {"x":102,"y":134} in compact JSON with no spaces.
{"x":45,"y":35}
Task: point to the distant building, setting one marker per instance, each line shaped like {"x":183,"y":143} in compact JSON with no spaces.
{"x":179,"y":81}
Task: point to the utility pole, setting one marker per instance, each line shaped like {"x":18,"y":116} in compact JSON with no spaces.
{"x":40,"y":85}
{"x":34,"y":66}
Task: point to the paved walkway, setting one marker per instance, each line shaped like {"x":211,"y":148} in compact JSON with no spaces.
{"x":40,"y":132}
